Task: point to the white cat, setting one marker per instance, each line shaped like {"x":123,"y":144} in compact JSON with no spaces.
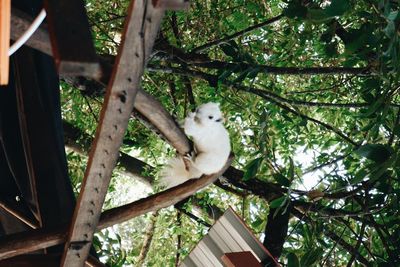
{"x":211,"y":143}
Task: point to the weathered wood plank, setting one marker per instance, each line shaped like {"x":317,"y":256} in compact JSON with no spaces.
{"x":5,"y":14}
{"x":22,"y":243}
{"x":141,"y":28}
{"x":71,"y":40}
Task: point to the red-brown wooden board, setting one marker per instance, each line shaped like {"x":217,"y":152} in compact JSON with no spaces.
{"x":240,"y":259}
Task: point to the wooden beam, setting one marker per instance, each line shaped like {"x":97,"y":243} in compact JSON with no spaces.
{"x":140,"y":31}
{"x":18,"y":213}
{"x":5,"y":14}
{"x":71,"y":40}
{"x":26,"y":242}
{"x":22,"y":243}
{"x":43,"y":260}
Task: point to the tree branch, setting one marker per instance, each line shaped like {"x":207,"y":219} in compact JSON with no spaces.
{"x":132,"y":166}
{"x":22,"y":243}
{"x":148,"y":237}
{"x":242,"y":66}
{"x":396,"y":123}
{"x":360,"y":237}
{"x":332,"y":235}
{"x":237,"y":34}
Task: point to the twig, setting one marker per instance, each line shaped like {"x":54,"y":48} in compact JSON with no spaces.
{"x":179,"y":241}
{"x":237,"y":34}
{"x":193,"y":217}
{"x":332,"y":235}
{"x":361,"y":235}
{"x":313,"y":169}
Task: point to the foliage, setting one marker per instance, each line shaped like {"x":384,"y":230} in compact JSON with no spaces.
{"x":330,"y":124}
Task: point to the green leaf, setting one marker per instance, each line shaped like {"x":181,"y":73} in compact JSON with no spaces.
{"x":253,"y":73}
{"x":396,"y":130}
{"x":279,"y":202}
{"x":229,"y":50}
{"x":376,"y":152}
{"x":291,"y":169}
{"x":359,"y":176}
{"x":390,"y":29}
{"x":282,"y":180}
{"x":252,"y":168}
{"x":224,"y":75}
{"x":293,"y":260}
{"x":241,"y":77}
{"x":394,"y":15}
{"x":318,"y":15}
{"x":311,"y":257}
{"x":295,"y":10}
{"x":337,"y":7}
{"x":258,"y":224}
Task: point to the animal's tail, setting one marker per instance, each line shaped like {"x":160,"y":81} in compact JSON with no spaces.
{"x":174,"y":173}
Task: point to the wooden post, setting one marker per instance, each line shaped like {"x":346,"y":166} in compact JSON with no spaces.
{"x":71,"y":40}
{"x":5,"y":17}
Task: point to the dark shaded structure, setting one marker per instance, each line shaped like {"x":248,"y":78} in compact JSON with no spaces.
{"x":35,"y":191}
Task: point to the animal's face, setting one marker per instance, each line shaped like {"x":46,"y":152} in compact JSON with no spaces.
{"x":209,"y":114}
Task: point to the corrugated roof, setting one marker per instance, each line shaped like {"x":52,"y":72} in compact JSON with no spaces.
{"x":228,"y":234}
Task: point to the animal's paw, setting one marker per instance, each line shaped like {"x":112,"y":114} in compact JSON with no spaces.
{"x":187,"y":160}
{"x":189,"y":125}
{"x":188,"y":157}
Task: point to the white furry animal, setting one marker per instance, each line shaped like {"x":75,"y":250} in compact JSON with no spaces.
{"x":211,"y":142}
